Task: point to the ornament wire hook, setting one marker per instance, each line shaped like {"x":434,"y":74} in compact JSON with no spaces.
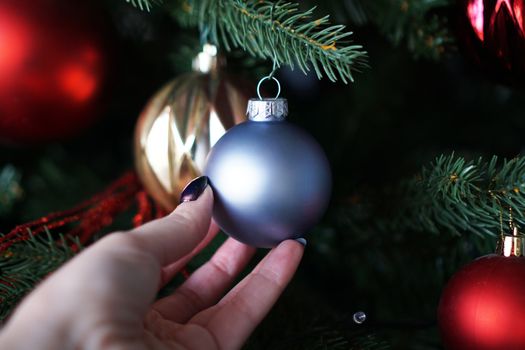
{"x":204,"y":35}
{"x":511,"y":220}
{"x":502,"y":233}
{"x":512,"y":225}
{"x":266,"y":78}
{"x":271,"y":76}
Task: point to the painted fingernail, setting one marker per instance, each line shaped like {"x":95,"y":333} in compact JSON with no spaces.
{"x":194,"y":189}
{"x":302,"y":241}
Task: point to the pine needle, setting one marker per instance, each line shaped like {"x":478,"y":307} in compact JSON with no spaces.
{"x":144,"y":5}
{"x":451,"y":195}
{"x":26,"y":263}
{"x":278,"y":31}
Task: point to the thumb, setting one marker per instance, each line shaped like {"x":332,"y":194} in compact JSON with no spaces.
{"x":172,"y":237}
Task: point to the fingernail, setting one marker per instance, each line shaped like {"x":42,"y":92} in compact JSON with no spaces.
{"x":194,"y":189}
{"x":302,"y":241}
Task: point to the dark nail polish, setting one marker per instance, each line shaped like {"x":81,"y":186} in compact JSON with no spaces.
{"x":301,"y":240}
{"x":194,"y":189}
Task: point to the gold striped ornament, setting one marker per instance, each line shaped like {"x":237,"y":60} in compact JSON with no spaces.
{"x":181,"y":123}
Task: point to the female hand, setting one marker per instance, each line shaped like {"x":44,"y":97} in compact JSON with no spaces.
{"x":104,"y":297}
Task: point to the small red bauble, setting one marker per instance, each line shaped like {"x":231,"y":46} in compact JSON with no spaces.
{"x":483,"y":305}
{"x":52,"y":65}
{"x":493,"y":34}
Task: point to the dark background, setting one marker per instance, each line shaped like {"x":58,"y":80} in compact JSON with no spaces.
{"x":395,"y":118}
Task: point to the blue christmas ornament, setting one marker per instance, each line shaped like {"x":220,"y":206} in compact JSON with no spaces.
{"x":271,"y":180}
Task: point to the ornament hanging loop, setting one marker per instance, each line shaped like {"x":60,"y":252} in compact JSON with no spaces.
{"x":267,"y":78}
{"x":270,"y":76}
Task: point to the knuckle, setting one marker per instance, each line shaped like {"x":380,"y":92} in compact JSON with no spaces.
{"x":188,"y":220}
{"x":220,"y":264}
{"x":245,"y":308}
{"x":272,"y":278}
{"x":191,"y":298}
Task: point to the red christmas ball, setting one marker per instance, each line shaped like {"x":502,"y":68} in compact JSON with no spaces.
{"x":483,"y":305}
{"x":52,"y":65}
{"x":493,"y":35}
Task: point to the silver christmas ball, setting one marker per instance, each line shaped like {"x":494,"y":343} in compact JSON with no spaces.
{"x":271,"y":180}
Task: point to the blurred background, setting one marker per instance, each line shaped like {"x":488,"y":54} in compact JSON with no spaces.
{"x":428,"y":90}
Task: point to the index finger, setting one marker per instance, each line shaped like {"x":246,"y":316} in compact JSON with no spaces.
{"x":235,"y":317}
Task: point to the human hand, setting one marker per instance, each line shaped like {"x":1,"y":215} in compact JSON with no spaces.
{"x":104,"y":297}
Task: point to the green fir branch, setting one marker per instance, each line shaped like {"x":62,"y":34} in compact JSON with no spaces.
{"x":462,"y":195}
{"x":278,"y":31}
{"x":333,"y":339}
{"x":144,"y":5}
{"x":413,"y":23}
{"x":451,"y":195}
{"x":26,"y":263}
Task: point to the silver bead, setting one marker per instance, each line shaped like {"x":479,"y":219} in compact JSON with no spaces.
{"x":359,"y":317}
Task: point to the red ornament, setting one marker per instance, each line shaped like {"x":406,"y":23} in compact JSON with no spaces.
{"x":493,"y":34}
{"x":483,"y":305}
{"x":52,"y":65}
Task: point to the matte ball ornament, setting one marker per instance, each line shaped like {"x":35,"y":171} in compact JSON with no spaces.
{"x":493,"y":36}
{"x":482,"y":306}
{"x":53,"y":64}
{"x":181,"y":123}
{"x":271,"y":180}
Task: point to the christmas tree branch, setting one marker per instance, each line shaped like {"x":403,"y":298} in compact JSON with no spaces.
{"x":144,"y":4}
{"x":25,"y":263}
{"x":414,"y":23}
{"x":452,"y":194}
{"x":474,"y":196}
{"x":278,"y":31}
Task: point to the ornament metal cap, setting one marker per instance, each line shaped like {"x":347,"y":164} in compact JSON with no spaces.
{"x":511,"y":245}
{"x":267,"y":109}
{"x":208,"y":61}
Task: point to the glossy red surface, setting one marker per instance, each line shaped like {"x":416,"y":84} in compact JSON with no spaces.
{"x":493,"y":35}
{"x":482,"y":306}
{"x":52,"y":66}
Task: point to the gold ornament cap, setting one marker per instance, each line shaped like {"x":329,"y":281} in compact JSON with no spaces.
{"x":208,"y":60}
{"x":511,"y":245}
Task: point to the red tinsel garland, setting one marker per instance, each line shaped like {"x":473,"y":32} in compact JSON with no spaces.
{"x":90,"y":216}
